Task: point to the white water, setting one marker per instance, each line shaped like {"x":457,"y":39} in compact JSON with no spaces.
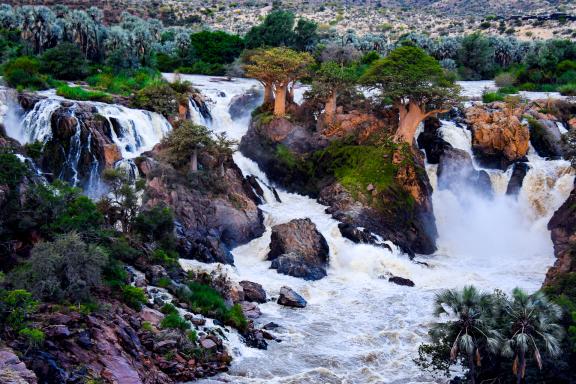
{"x":357,"y":327}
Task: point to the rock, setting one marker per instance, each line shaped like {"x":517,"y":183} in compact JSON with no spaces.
{"x":151,"y":316}
{"x":401,"y":281}
{"x":164,"y":346}
{"x":270,"y":326}
{"x":57,"y":331}
{"x":236,"y":293}
{"x":546,"y":138}
{"x":518,"y":174}
{"x":360,"y":236}
{"x":498,"y":136}
{"x":255,"y":338}
{"x":298,"y":249}
{"x":433,"y":145}
{"x":253,"y":292}
{"x":208,"y":344}
{"x":84,"y":340}
{"x":289,"y":298}
{"x":250,"y":310}
{"x":253,"y":181}
{"x":156,"y":272}
{"x":457,"y":173}
{"x":111,"y":154}
{"x":241,"y":105}
{"x":14,"y":371}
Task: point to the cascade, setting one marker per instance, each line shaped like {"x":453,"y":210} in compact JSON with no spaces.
{"x":357,"y":327}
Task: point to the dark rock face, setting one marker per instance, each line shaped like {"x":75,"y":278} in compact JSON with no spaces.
{"x":401,"y":281}
{"x":242,"y":105}
{"x":253,"y":292}
{"x":546,"y":138}
{"x":518,"y":174}
{"x":563,"y":231}
{"x":433,"y":145}
{"x":456,"y":172}
{"x":289,"y":298}
{"x":209,"y":224}
{"x":359,"y":236}
{"x":298,"y":249}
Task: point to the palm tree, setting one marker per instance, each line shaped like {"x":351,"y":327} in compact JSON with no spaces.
{"x":471,"y":331}
{"x":532,"y":322}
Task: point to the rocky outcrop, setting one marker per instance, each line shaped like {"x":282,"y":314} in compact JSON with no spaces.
{"x":563,"y":231}
{"x":298,"y":249}
{"x":498,"y":136}
{"x":241,"y":105}
{"x":546,"y":138}
{"x":289,"y":298}
{"x":211,"y":218}
{"x":253,"y":292}
{"x":456,"y":172}
{"x":13,"y":370}
{"x":433,"y":145}
{"x":516,"y":180}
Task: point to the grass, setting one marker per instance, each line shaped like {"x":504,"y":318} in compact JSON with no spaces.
{"x":490,"y":97}
{"x":567,"y":90}
{"x":124,"y":84}
{"x":78,"y":93}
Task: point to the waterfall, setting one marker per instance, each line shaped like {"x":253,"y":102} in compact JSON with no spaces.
{"x":358,"y":327}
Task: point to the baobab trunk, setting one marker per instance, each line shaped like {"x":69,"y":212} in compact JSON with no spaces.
{"x":194,"y":161}
{"x":268,"y":94}
{"x":411,"y":116}
{"x":280,"y":101}
{"x":330,"y":108}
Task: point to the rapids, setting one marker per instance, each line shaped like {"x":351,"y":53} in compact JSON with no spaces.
{"x":358,"y":327}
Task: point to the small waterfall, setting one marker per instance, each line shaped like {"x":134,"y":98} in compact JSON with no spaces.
{"x":200,"y":114}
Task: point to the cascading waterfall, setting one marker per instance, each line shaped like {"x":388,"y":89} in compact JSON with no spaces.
{"x":357,"y":327}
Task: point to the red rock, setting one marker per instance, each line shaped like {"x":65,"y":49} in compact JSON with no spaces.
{"x":111,"y":154}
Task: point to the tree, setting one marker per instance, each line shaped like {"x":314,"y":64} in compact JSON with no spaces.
{"x":66,"y":269}
{"x":532,"y":322}
{"x":184,"y":142}
{"x":476,"y":54}
{"x":330,"y":80}
{"x":276,"y":30}
{"x":121,"y":204}
{"x":416,"y":84}
{"x":471,"y":333}
{"x":216,"y":47}
{"x":24,"y":72}
{"x":278,"y":68}
{"x":65,"y":61}
{"x":305,"y":34}
{"x":223,"y":148}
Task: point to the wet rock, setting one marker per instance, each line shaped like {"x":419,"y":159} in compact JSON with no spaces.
{"x":270,"y":326}
{"x":546,"y":138}
{"x":360,"y":236}
{"x":518,"y":174}
{"x":111,"y":154}
{"x":14,"y":371}
{"x":298,"y":249}
{"x":253,"y":292}
{"x":250,"y":310}
{"x":253,"y":181}
{"x":433,"y":145}
{"x":289,"y":298}
{"x":456,"y":172}
{"x":401,"y":281}
{"x":498,"y":136}
{"x":255,"y":338}
{"x":156,"y":272}
{"x":208,"y":344}
{"x":241,"y":105}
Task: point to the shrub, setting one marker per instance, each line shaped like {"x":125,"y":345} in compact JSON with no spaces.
{"x":490,"y":97}
{"x":192,"y":335}
{"x":24,"y":72}
{"x":158,"y":97}
{"x":505,"y":79}
{"x":79,"y":93}
{"x":156,"y":224}
{"x":147,"y":326}
{"x":12,"y":170}
{"x":114,"y":273}
{"x":164,"y":282}
{"x":235,"y":317}
{"x":34,"y":150}
{"x":168,"y":308}
{"x":134,"y":297}
{"x":165,"y":258}
{"x":34,"y":337}
{"x":124,"y":83}
{"x":65,"y":61}
{"x":174,"y":321}
{"x":66,"y":269}
{"x":568,"y":89}
{"x":15,"y":307}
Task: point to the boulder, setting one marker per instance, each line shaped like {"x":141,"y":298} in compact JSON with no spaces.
{"x":498,"y":136}
{"x":250,"y":310}
{"x":546,"y":138}
{"x":151,"y":316}
{"x":298,"y":249}
{"x":208,"y":343}
{"x":14,"y":371}
{"x":111,"y":154}
{"x":516,"y":180}
{"x":433,"y":145}
{"x":253,"y":292}
{"x":456,"y":172}
{"x":242,"y":105}
{"x":401,"y":281}
{"x":360,"y":235}
{"x":289,"y":298}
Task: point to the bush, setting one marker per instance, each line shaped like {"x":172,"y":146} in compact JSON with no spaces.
{"x":79,"y":93}
{"x":568,"y":89}
{"x":66,"y":269}
{"x":156,"y":224}
{"x":34,"y":337}
{"x":134,"y":297}
{"x":168,"y":308}
{"x":235,"y":317}
{"x":505,"y":79}
{"x":12,"y":170}
{"x":24,"y":72}
{"x":124,"y":83}
{"x":15,"y":307}
{"x":174,"y":321}
{"x":490,"y":97}
{"x":65,"y":61}
{"x":158,"y":97}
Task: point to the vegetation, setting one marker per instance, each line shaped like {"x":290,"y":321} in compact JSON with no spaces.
{"x":417,"y":85}
{"x":79,"y":93}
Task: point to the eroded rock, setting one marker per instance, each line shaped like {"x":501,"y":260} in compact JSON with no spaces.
{"x":290,"y":298}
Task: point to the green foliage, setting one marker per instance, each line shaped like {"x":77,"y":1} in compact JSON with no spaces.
{"x":146,"y":326}
{"x":276,"y":30}
{"x":192,"y":335}
{"x":165,"y":257}
{"x":168,"y":308}
{"x":134,"y":297}
{"x":66,"y":269}
{"x":123,"y":83}
{"x":114,"y":273}
{"x":158,"y":97}
{"x":567,"y":89}
{"x":65,"y":61}
{"x":156,"y":224}
{"x":34,"y":337}
{"x":489,"y":97}
{"x":12,"y":170}
{"x":164,"y":282}
{"x":216,"y":47}
{"x":185,"y":138}
{"x":79,"y":93}
{"x":235,"y":317}
{"x":16,"y":306}
{"x":34,"y":150}
{"x":285,"y":156}
{"x":174,"y":321}
{"x":24,"y":72}
{"x":477,"y":55}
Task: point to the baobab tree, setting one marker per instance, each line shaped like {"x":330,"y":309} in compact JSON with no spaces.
{"x":278,"y":68}
{"x":416,"y":84}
